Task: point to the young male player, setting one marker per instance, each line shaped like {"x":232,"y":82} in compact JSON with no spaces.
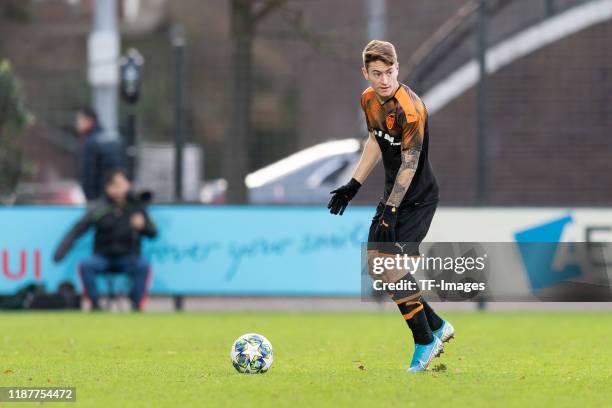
{"x":397,"y":125}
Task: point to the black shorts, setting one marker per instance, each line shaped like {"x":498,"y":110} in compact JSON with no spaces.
{"x":412,"y":225}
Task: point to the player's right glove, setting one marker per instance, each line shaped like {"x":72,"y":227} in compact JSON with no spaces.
{"x":342,"y":196}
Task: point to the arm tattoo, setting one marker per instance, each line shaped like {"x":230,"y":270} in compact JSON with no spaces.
{"x":410,"y":161}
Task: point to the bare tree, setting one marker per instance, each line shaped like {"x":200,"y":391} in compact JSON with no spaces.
{"x":245,"y":15}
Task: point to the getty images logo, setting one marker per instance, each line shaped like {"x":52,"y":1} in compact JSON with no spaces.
{"x":539,"y":247}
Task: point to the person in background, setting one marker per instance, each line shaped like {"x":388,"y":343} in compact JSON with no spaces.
{"x":120,"y":221}
{"x":99,"y":154}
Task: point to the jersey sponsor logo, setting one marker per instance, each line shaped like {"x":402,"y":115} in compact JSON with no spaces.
{"x":390,"y":120}
{"x":387,"y":137}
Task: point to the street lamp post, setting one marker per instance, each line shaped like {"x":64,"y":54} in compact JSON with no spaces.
{"x":131,"y":78}
{"x":178,"y":44}
{"x":482,"y":192}
{"x":102,"y":54}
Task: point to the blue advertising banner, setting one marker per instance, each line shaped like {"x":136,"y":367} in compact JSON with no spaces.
{"x":203,"y":250}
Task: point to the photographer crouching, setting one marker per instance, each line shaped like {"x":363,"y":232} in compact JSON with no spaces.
{"x":120,"y":220}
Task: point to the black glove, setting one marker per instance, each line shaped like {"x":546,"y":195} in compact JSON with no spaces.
{"x":385,"y":230}
{"x":342,"y":196}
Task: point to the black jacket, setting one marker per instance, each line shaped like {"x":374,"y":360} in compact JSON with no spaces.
{"x":114,"y":235}
{"x":99,"y":157}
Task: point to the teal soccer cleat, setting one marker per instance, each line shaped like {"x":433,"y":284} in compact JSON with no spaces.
{"x":445,"y":333}
{"x":424,"y":353}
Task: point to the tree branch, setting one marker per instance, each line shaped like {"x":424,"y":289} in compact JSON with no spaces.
{"x":267,"y":8}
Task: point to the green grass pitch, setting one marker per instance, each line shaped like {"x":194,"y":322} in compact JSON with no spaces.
{"x":321,"y":359}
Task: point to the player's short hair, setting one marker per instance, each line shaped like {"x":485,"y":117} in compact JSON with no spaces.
{"x":378,"y":50}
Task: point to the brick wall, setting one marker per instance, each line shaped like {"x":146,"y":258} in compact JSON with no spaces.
{"x":549,"y":129}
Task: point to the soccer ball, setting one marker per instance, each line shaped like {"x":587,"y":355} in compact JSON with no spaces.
{"x":251,"y":354}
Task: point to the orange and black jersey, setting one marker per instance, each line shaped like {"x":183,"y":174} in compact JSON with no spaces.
{"x":400,"y":123}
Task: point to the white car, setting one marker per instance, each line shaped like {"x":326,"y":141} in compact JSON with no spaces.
{"x":305,"y":177}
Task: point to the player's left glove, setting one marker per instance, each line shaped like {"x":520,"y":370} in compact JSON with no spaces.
{"x":385,"y":230}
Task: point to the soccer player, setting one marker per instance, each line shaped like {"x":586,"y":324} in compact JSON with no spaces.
{"x":398,"y":131}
